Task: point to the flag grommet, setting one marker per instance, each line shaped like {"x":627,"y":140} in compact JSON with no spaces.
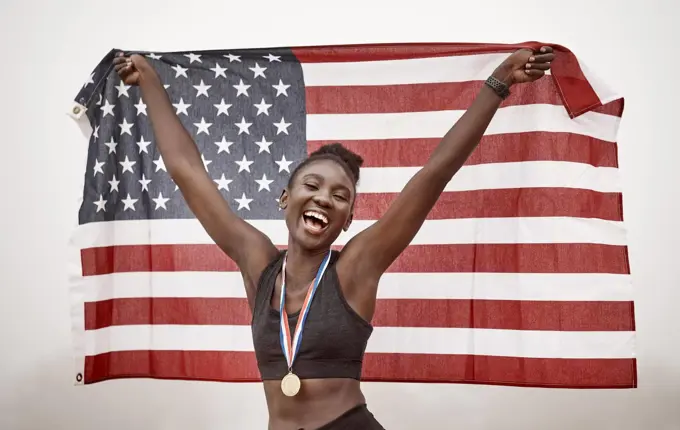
{"x":77,"y":111}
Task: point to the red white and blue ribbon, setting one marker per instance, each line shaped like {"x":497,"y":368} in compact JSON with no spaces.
{"x":290,"y":346}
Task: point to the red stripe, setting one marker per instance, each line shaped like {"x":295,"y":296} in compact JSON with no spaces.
{"x":514,"y":258}
{"x":400,"y":51}
{"x":505,"y":258}
{"x":574,"y":89}
{"x":505,"y":314}
{"x":231,"y":366}
{"x":166,"y":310}
{"x":419,"y":97}
{"x":498,"y":148}
{"x":506,"y":203}
{"x":532,"y":372}
{"x":486,"y":314}
{"x":614,"y":108}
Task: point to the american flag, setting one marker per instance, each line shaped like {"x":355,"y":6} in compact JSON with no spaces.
{"x":519,"y":276}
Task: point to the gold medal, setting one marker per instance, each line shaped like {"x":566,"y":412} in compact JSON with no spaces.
{"x":290,"y":384}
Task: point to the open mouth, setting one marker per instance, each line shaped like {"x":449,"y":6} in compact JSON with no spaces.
{"x":314,"y":221}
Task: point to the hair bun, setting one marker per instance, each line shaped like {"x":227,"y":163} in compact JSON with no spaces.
{"x":350,"y":159}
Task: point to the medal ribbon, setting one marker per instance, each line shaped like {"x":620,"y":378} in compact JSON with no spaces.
{"x":290,"y":346}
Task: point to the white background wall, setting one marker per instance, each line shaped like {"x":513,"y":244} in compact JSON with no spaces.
{"x":49,"y":48}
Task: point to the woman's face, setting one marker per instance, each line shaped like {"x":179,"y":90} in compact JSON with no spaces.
{"x":318,"y":204}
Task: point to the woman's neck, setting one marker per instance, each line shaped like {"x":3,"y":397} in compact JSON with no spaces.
{"x":302,"y":265}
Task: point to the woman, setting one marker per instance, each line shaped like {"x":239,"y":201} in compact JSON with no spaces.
{"x":316,"y":386}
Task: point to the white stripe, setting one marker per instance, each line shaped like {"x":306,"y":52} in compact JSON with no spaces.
{"x":480,"y":286}
{"x":458,"y":68}
{"x":508,"y":343}
{"x":447,"y":231}
{"x":523,"y":174}
{"x":511,"y":119}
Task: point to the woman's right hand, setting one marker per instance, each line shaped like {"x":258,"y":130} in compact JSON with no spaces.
{"x":128,"y":68}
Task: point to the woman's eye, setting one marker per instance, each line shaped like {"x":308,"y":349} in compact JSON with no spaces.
{"x":341,"y":197}
{"x":311,"y":186}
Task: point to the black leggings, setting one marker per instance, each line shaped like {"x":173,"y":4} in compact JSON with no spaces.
{"x":357,"y":418}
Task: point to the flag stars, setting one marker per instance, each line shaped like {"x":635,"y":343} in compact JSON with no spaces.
{"x":89,"y":81}
{"x":143,"y":145}
{"x":193,"y":57}
{"x":123,"y":89}
{"x":253,"y":179}
{"x":107,"y":109}
{"x":113,"y":183}
{"x":241,"y":88}
{"x":284,"y":164}
{"x":263,"y":145}
{"x":244,"y":164}
{"x":258,"y":71}
{"x":98,"y":167}
{"x":222,"y":108}
{"x":243,"y":126}
{"x":223,"y":145}
{"x":181,"y":107}
{"x":203,"y":126}
{"x":202,"y":89}
{"x":264,"y":183}
{"x":101,"y":203}
{"x":219,"y":71}
{"x":262,"y":107}
{"x":127,"y":165}
{"x":179,"y":71}
{"x":160,"y":164}
{"x":160,"y":201}
{"x":243,"y":202}
{"x":205,"y":162}
{"x":154,"y":56}
{"x":141,"y":107}
{"x":111,"y":145}
{"x":129,"y":203}
{"x":272,"y":58}
{"x":282,"y":126}
{"x":145,"y":183}
{"x":281,"y":88}
{"x":223,"y":183}
{"x":125,"y":127}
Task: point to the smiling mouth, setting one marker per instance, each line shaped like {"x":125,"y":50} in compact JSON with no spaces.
{"x":315,"y":222}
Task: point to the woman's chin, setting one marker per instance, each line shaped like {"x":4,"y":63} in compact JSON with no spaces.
{"x":310,"y":237}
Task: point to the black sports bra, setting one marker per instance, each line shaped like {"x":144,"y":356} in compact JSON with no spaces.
{"x":334,"y":337}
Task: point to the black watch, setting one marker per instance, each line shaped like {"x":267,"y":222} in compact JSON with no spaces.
{"x":499,"y":87}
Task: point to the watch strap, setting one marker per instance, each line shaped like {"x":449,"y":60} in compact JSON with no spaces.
{"x":499,"y":87}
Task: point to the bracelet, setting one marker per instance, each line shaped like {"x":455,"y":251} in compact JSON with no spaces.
{"x":499,"y":87}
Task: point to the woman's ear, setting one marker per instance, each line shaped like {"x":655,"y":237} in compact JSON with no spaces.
{"x":283,"y":200}
{"x":349,"y":221}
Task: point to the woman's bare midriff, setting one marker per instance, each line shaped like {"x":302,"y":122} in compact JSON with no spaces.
{"x":318,"y":402}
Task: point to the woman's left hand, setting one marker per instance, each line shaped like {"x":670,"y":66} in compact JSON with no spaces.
{"x":525,"y":66}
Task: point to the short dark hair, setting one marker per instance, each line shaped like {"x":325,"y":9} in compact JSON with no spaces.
{"x":349,"y":160}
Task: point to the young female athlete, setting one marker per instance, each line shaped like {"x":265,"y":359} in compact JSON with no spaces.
{"x":311,"y":370}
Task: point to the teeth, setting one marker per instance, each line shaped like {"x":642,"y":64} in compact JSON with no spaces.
{"x":317,"y":215}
